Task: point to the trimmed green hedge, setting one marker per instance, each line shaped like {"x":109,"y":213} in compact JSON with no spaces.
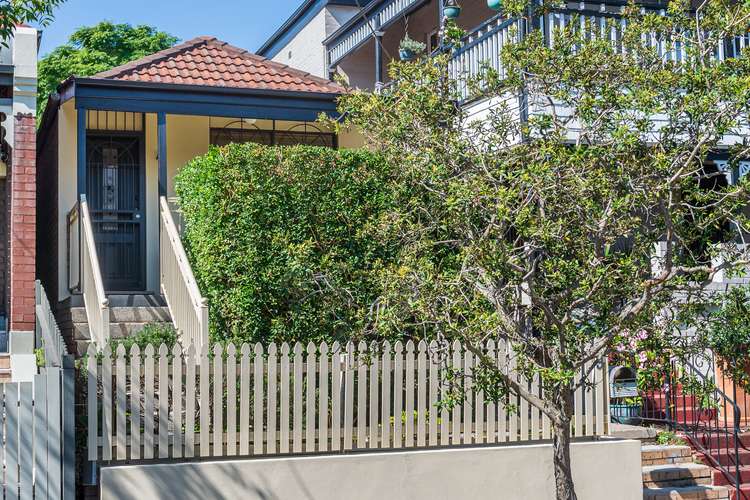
{"x":280,"y":239}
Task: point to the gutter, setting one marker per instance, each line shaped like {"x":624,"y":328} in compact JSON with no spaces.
{"x":68,"y":87}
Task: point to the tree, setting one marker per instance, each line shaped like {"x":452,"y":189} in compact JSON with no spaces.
{"x":16,"y":12}
{"x":94,"y":49}
{"x":597,"y":221}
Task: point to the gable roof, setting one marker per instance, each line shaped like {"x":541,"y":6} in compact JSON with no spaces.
{"x":210,"y":62}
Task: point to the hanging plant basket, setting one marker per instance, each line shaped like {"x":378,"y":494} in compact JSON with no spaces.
{"x":451,"y":9}
{"x":409,"y":49}
{"x":495,"y":4}
{"x":406,"y":55}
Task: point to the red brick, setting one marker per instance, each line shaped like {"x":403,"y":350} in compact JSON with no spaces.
{"x":22,"y":186}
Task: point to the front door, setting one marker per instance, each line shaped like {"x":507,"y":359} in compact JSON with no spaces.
{"x":115,"y":187}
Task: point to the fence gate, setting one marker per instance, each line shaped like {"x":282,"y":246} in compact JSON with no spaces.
{"x":37,"y":446}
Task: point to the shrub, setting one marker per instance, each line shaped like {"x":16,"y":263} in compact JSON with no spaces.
{"x":281,"y":239}
{"x":152,"y":333}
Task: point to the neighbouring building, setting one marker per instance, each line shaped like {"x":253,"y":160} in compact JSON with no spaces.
{"x":116,"y":140}
{"x":18,"y":87}
{"x":298,"y":42}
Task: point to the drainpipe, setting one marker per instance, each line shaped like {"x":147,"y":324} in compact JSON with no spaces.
{"x":378,"y":54}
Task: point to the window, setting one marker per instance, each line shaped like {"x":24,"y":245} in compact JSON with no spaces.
{"x":433,"y":41}
{"x":299,"y":134}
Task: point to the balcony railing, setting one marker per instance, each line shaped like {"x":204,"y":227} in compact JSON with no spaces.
{"x":481,"y":50}
{"x":361,"y":28}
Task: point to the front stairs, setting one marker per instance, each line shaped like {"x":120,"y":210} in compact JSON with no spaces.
{"x":128,"y":315}
{"x":669,"y":473}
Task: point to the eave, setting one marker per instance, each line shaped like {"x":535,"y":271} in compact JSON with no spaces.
{"x":199,"y":100}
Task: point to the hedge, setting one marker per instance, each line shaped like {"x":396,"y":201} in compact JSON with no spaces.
{"x":281,"y":239}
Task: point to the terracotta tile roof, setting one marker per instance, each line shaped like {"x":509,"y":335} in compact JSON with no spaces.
{"x":208,"y":61}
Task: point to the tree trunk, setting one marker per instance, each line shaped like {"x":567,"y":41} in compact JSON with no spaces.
{"x":564,"y":486}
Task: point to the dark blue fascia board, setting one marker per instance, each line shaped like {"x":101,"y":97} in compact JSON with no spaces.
{"x":201,"y":101}
{"x":296,"y":22}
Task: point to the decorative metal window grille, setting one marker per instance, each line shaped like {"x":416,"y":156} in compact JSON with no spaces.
{"x":299,"y":134}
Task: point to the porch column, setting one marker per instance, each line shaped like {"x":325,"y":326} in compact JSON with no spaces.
{"x":161,"y":122}
{"x":81,"y":156}
{"x":378,"y":55}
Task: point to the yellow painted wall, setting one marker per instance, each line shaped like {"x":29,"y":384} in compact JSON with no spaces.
{"x":67,"y":186}
{"x":187,"y":137}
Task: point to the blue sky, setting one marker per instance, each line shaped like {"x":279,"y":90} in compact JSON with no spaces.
{"x":245,"y":23}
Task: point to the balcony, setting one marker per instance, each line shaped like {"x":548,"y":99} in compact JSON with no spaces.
{"x":351,"y":49}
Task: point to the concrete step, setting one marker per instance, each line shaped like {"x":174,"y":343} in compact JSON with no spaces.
{"x":714,"y":441}
{"x":744,"y":493}
{"x":665,"y":455}
{"x":116,"y":329}
{"x":700,"y":492}
{"x":5,"y":372}
{"x":721,"y":479}
{"x":683,"y":474}
{"x":727,"y":457}
{"x":139,"y":314}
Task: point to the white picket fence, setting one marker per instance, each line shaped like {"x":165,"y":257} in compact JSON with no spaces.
{"x":37,"y":436}
{"x":176,"y":404}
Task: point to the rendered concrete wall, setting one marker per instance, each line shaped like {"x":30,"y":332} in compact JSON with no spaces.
{"x":605,"y":469}
{"x":305,"y":51}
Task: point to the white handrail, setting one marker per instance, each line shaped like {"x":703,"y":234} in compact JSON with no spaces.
{"x":188,"y":308}
{"x":92,"y":286}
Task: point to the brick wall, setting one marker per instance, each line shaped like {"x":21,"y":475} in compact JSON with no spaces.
{"x":22,"y":188}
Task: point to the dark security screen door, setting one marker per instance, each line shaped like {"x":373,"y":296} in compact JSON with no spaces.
{"x":116,"y":202}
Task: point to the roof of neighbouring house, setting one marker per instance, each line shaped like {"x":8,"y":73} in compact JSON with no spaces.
{"x":210,"y":62}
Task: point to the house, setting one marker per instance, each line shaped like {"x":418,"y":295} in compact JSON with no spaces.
{"x":109,"y":148}
{"x":18,"y":85}
{"x":360,"y":49}
{"x":297,"y":42}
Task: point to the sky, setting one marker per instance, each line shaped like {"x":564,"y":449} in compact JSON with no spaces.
{"x":244,"y":23}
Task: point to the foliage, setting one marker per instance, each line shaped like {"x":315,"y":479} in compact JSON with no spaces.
{"x":40,"y":357}
{"x":155,"y":334}
{"x":411,"y":45}
{"x":542,"y":231}
{"x":669,"y":438}
{"x":17,"y":12}
{"x":729,"y":334}
{"x":281,"y":239}
{"x":93,"y":49}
